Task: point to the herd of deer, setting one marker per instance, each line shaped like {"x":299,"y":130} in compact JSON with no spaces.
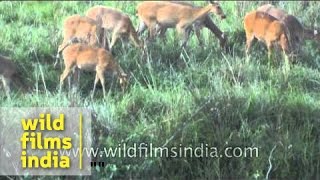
{"x":86,"y":39}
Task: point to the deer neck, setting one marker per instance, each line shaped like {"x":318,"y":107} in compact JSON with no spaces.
{"x":201,"y":12}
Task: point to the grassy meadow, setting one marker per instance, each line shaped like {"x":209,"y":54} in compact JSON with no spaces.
{"x":182,"y":96}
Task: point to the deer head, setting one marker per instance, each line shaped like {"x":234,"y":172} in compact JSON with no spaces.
{"x":217,"y":9}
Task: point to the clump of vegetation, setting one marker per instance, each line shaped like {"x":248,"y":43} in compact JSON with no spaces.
{"x":182,"y":97}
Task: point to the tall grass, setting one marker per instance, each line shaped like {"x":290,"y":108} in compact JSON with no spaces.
{"x":182,"y":97}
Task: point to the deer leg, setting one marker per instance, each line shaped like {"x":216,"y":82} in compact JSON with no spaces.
{"x":63,"y":76}
{"x":114,"y":39}
{"x":285,"y":50}
{"x":152,"y":31}
{"x":142,"y":27}
{"x":269,"y":46}
{"x":56,"y":61}
{"x":58,"y":55}
{"x":95,"y":84}
{"x":76,"y":78}
{"x":162,"y":32}
{"x":6,"y":85}
{"x":197,"y":31}
{"x":124,"y":43}
{"x":269,"y":52}
{"x":105,"y":40}
{"x":250,"y":38}
{"x":284,"y":45}
{"x":105,"y":43}
{"x":184,"y":34}
{"x":134,"y":39}
{"x":100,"y":74}
{"x":69,"y":81}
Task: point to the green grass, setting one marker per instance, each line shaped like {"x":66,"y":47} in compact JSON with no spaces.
{"x":200,"y":95}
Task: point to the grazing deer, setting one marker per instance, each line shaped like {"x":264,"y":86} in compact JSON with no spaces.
{"x":77,"y":28}
{"x":85,"y":57}
{"x":115,"y":22}
{"x":9,"y":74}
{"x":265,"y":28}
{"x":297,"y":33}
{"x":197,"y":26}
{"x":173,"y":15}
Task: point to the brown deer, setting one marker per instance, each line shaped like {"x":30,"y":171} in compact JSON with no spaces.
{"x":85,"y":57}
{"x":115,"y":22}
{"x":173,"y":15}
{"x":197,"y":26}
{"x":9,"y":74}
{"x":77,"y":28}
{"x":297,"y":32}
{"x":265,"y":28}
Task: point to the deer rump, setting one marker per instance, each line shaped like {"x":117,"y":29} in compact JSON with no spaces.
{"x":294,"y":29}
{"x":83,"y":28}
{"x":116,"y":24}
{"x":267,"y":29}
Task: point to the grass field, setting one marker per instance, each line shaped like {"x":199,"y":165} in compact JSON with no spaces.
{"x":182,"y":97}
